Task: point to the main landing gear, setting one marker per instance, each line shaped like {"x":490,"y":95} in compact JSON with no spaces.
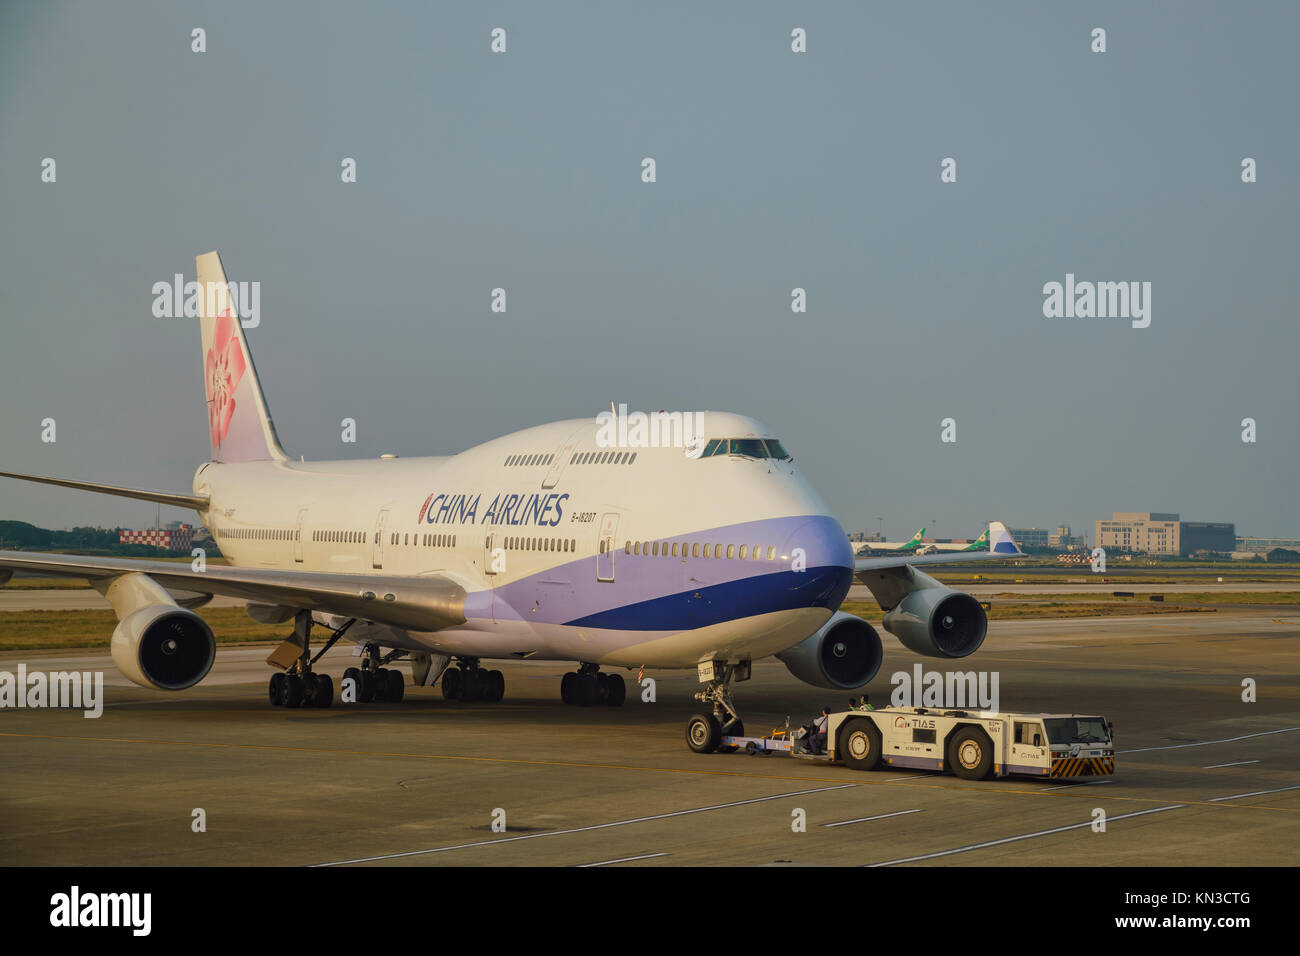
{"x":587,"y":687}
{"x":298,"y":685}
{"x":374,"y":681}
{"x":471,"y":682}
{"x":704,"y":732}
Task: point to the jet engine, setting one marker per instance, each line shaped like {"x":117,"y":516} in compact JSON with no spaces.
{"x":938,"y":622}
{"x":843,"y":654}
{"x":164,"y":646}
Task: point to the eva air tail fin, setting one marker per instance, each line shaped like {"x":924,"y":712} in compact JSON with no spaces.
{"x":239,"y":423}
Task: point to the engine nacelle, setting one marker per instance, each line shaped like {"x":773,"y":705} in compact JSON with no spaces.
{"x":164,"y":646}
{"x":844,"y":654}
{"x":938,"y":622}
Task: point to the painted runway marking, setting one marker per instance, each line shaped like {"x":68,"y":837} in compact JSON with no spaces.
{"x":1206,"y":743}
{"x":1070,"y":786}
{"x":878,"y":816}
{"x":1235,"y":763}
{"x":1023,"y":836}
{"x":622,"y":859}
{"x":1253,"y":793}
{"x":596,"y":826}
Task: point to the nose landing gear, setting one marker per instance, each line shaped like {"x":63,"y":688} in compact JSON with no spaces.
{"x":704,"y":732}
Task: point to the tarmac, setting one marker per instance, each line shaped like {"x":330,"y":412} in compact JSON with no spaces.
{"x":1202,"y":777}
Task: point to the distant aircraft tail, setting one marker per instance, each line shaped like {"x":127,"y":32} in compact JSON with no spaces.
{"x":979,"y":544}
{"x":1001,"y":541}
{"x":239,"y":423}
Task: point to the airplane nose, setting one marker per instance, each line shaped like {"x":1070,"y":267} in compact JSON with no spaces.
{"x":822,"y":558}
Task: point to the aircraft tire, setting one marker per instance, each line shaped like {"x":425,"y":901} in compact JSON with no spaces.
{"x":292,"y":692}
{"x":617,"y":691}
{"x":703,"y":733}
{"x":275,"y":689}
{"x":365,"y":686}
{"x":394,"y":686}
{"x":452,"y":679}
{"x":324,"y":696}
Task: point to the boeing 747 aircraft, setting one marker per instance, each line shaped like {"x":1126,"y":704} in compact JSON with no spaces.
{"x":551,"y":543}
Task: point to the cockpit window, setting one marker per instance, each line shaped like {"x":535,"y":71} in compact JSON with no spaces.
{"x":749,"y":447}
{"x":776,"y":450}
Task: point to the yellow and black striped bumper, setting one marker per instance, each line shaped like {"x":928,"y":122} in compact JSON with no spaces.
{"x":1082,"y":766}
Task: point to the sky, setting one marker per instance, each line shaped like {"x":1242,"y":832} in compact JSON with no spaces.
{"x":774,"y":170}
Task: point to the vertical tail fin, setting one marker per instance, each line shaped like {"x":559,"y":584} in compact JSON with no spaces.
{"x":1003,"y":543}
{"x":239,"y":424}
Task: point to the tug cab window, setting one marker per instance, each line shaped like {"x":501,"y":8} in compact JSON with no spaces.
{"x":1029,"y":733}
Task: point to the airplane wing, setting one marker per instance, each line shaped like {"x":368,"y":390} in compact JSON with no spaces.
{"x":423,"y":603}
{"x":891,"y":579}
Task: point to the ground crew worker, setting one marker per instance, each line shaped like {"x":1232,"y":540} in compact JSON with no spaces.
{"x":818,"y":741}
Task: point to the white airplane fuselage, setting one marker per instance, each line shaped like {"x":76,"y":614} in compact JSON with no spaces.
{"x":568,"y":550}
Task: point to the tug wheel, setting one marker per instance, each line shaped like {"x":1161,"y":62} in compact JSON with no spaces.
{"x":970,"y":754}
{"x":859,"y":746}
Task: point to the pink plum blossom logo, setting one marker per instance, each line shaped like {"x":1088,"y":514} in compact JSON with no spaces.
{"x":224,"y":367}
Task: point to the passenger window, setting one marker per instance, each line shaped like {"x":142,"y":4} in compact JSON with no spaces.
{"x":731,"y":550}
{"x":636,"y":548}
{"x":632,"y":459}
{"x":744,"y":551}
{"x":695,"y":550}
{"x":717,"y":550}
{"x":757,"y":552}
{"x":674,"y":549}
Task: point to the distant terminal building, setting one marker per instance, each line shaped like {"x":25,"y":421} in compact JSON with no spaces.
{"x":1262,"y":546}
{"x":1030,"y":537}
{"x":180,"y":538}
{"x":1154,"y":532}
{"x":1065,"y":540}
